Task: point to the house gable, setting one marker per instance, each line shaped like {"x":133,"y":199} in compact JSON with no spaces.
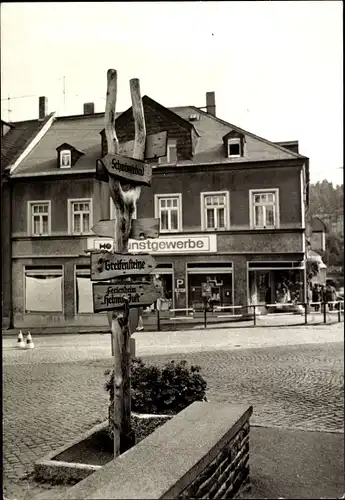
{"x":157,"y":119}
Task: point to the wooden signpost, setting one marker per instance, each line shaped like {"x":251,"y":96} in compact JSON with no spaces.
{"x":106,"y":265}
{"x":124,"y":175}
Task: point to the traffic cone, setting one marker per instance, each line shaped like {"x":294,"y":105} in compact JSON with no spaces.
{"x":29,"y":342}
{"x":20,"y":341}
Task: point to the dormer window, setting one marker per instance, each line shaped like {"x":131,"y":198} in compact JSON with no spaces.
{"x":67,"y":155}
{"x":234,"y":144}
{"x":234,"y":147}
{"x":65,"y":158}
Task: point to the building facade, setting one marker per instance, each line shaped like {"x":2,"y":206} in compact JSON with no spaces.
{"x":231,"y":207}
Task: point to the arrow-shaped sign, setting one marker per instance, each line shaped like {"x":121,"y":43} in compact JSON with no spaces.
{"x":108,"y":297}
{"x":105,"y":265}
{"x":124,"y":167}
{"x":141,"y":228}
{"x":155,"y":147}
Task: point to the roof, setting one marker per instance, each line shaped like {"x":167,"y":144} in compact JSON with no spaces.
{"x":83,"y":133}
{"x":18,"y":138}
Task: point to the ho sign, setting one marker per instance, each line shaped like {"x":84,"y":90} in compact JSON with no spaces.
{"x":103,"y":244}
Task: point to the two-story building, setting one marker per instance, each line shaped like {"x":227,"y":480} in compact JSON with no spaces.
{"x":231,"y":207}
{"x":17,"y":140}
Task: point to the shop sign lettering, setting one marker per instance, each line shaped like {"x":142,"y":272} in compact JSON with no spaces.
{"x":178,"y":245}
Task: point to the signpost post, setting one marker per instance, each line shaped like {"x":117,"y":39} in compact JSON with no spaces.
{"x":124,"y":175}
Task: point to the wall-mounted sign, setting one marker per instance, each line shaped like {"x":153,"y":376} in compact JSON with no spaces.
{"x":106,"y":265}
{"x":107,"y":297}
{"x":186,"y":244}
{"x":180,"y":283}
{"x":126,"y":168}
{"x":102,"y":244}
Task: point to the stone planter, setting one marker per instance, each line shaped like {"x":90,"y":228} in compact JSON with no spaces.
{"x":90,"y":451}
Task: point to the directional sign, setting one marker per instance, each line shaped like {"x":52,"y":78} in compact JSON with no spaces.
{"x":141,"y":228}
{"x":155,"y":147}
{"x":112,"y":296}
{"x":105,"y":266}
{"x":126,"y":168}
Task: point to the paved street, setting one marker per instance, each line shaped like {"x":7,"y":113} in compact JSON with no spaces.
{"x":294,"y":378}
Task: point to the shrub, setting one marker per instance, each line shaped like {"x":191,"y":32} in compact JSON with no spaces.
{"x":162,"y":390}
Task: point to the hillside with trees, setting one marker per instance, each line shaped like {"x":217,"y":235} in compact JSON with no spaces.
{"x":327,"y":202}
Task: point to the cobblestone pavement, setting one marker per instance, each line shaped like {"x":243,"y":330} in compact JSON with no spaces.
{"x":55,"y":392}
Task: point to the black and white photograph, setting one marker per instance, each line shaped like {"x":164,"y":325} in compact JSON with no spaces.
{"x":172,"y":242}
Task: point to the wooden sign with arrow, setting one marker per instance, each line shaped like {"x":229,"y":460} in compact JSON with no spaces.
{"x":155,"y":147}
{"x":106,"y":265}
{"x":141,"y":228}
{"x":107,"y":297}
{"x":125,"y":168}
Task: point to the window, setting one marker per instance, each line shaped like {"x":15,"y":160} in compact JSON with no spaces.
{"x":43,"y":289}
{"x":65,"y":158}
{"x":80,"y":216}
{"x":171,"y":156}
{"x":168,"y":209}
{"x":112,"y":210}
{"x":39,"y":218}
{"x":83,"y":290}
{"x":234,"y":147}
{"x":215,"y":210}
{"x":264,"y":209}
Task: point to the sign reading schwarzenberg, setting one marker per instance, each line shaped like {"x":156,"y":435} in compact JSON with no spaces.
{"x":127,"y":168}
{"x":106,"y":265}
{"x":112,"y":296}
{"x":175,"y":245}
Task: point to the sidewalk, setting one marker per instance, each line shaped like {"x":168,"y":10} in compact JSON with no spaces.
{"x":296,"y":464}
{"x":195,"y":323}
{"x":72,"y":348}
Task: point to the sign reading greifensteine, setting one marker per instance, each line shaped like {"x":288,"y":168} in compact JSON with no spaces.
{"x":105,"y":265}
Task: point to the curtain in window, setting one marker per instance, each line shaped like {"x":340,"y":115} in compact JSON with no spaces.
{"x":43,"y":294}
{"x":84,"y":295}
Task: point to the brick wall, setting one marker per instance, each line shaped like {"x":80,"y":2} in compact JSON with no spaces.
{"x":227,"y":473}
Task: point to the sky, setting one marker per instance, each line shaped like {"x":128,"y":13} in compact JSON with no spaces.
{"x":276,"y":67}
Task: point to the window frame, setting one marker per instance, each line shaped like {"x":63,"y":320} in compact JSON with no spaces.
{"x":62,"y":153}
{"x":30,"y":215}
{"x":252,"y":193}
{"x":158,"y":197}
{"x":70,"y":203}
{"x":203,"y":210}
{"x":172,"y":144}
{"x":58,"y":271}
{"x":235,"y":140}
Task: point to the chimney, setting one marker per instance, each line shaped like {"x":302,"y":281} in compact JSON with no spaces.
{"x":211,"y":103}
{"x":42,"y":107}
{"x":89,"y":108}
